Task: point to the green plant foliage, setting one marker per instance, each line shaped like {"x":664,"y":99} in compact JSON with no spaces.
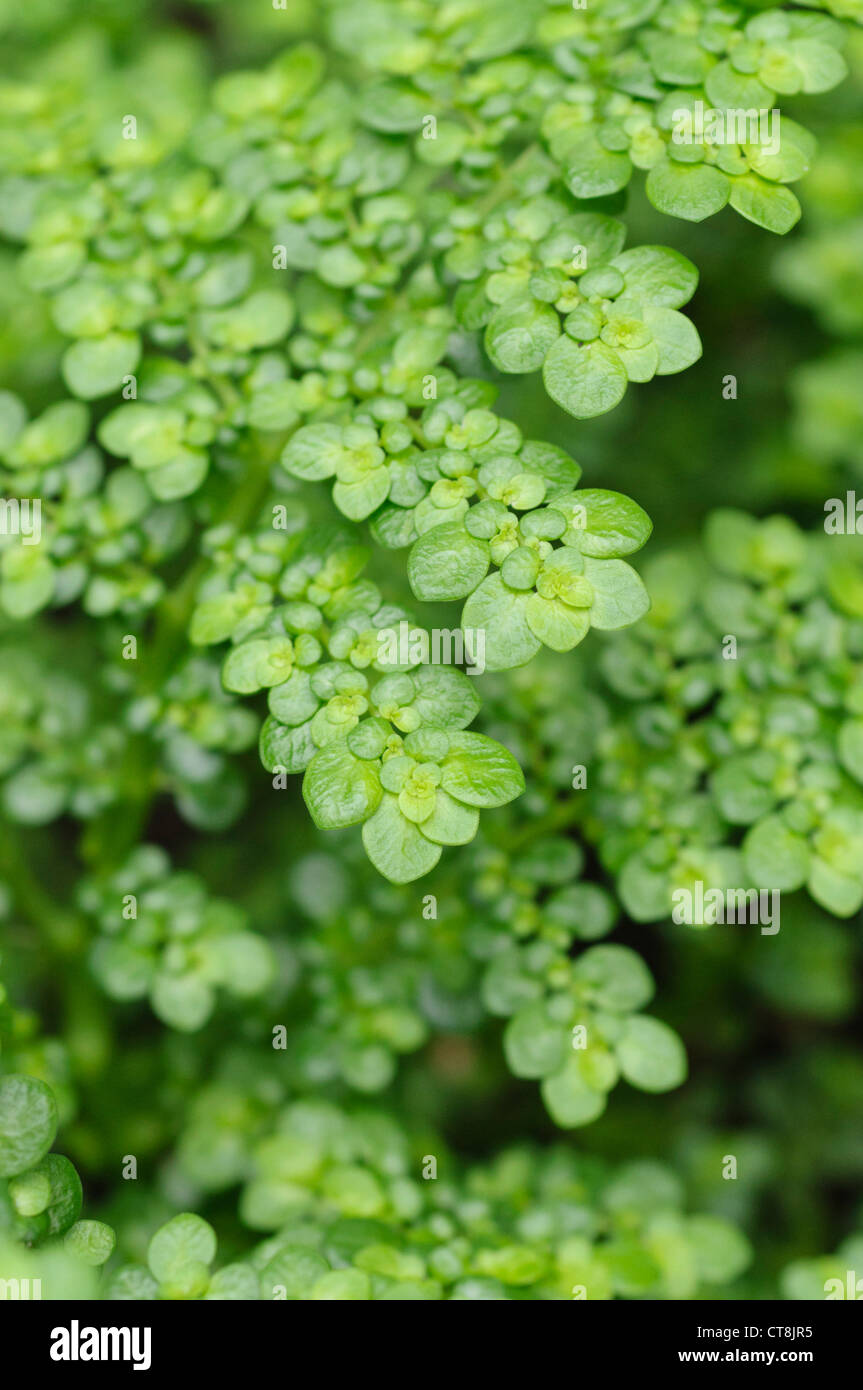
{"x":827,"y":1276}
{"x":40,"y":1195}
{"x":322,"y":489}
{"x":741,"y":765}
{"x":555,"y":290}
{"x":379,"y":736}
{"x":169,"y":942}
{"x":505,"y":953}
{"x":351,"y":1222}
{"x":822,"y":272}
{"x":164,"y":273}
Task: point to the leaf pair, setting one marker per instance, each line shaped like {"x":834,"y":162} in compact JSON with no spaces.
{"x":619,"y":324}
{"x":543,"y":594}
{"x":411,"y":808}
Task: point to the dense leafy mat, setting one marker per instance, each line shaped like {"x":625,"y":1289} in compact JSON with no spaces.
{"x":308,"y":878}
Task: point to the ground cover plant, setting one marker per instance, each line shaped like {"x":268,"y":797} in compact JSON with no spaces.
{"x":408,"y":889}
